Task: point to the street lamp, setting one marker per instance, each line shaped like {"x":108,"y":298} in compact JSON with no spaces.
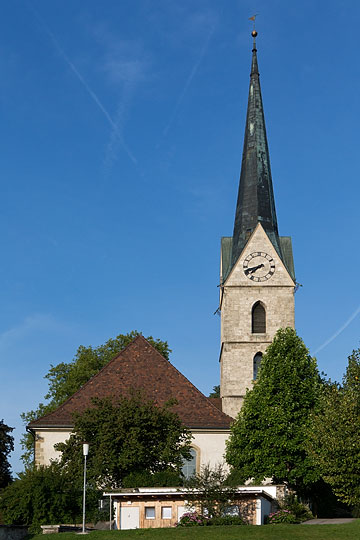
{"x":85,"y":454}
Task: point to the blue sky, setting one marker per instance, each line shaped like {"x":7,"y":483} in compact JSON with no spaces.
{"x":121,"y":138}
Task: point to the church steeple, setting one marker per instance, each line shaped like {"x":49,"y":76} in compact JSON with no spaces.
{"x":255,"y":202}
{"x":257,"y":278}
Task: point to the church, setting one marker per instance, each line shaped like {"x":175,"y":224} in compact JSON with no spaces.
{"x":257,"y":285}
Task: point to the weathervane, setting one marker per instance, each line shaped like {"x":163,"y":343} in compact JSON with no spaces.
{"x":253,"y":19}
{"x":254,"y":32}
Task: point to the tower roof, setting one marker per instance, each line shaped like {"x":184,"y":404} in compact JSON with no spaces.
{"x":255,"y":203}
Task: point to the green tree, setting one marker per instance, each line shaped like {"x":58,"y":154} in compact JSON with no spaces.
{"x":334,"y":439}
{"x":126,"y":437}
{"x":66,"y":378}
{"x":267,"y":438}
{"x":6,"y":446}
{"x":46,"y":495}
{"x":215,"y":392}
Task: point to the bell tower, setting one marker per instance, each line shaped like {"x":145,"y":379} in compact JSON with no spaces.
{"x":257,"y":277}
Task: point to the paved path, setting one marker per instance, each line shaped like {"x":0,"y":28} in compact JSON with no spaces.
{"x":332,"y":521}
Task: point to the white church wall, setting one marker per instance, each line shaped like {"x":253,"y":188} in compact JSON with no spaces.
{"x":44,"y":444}
{"x":211,"y":447}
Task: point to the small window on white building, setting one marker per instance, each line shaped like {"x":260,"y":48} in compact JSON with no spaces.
{"x":166,"y":512}
{"x":149,"y":512}
{"x":189,"y":467}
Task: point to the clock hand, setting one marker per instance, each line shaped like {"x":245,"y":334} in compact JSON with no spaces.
{"x":253,"y":269}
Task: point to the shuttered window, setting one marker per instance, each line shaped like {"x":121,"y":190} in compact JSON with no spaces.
{"x":258,"y":319}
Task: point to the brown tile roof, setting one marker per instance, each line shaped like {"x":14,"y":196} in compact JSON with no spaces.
{"x":216,"y":401}
{"x":140,"y":366}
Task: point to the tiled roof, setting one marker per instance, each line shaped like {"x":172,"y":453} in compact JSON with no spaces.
{"x":217,"y":402}
{"x":141,"y":366}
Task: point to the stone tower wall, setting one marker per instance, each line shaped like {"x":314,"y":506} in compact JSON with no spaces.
{"x":238,"y":344}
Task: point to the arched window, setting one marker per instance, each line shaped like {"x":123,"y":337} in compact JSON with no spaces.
{"x":258,"y":319}
{"x":189,"y":467}
{"x":256,"y":364}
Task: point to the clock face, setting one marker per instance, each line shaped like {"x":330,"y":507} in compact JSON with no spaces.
{"x":259,"y":266}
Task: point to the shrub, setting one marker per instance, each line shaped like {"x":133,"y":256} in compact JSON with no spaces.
{"x":300,"y":510}
{"x":46,"y":495}
{"x":281,"y":516}
{"x":226,"y":520}
{"x":355,"y":512}
{"x":192,"y":519}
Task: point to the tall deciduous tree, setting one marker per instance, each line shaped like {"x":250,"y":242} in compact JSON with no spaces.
{"x":66,"y":378}
{"x":126,"y":437}
{"x":267,"y":438}
{"x":334,"y":440}
{"x":6,"y":446}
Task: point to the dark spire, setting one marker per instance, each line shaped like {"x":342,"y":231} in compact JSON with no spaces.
{"x":255,"y":202}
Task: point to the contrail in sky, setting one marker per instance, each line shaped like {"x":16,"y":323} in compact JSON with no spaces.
{"x":189,"y":81}
{"x":111,"y":149}
{"x":339,"y":331}
{"x":85,"y":84}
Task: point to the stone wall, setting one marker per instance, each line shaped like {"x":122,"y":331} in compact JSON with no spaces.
{"x":238,"y":344}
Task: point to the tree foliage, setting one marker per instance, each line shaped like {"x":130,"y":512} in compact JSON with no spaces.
{"x":215,"y":392}
{"x":66,"y":378}
{"x":126,"y":437}
{"x":166,"y":478}
{"x":46,"y":495}
{"x":334,"y":439}
{"x":6,"y":446}
{"x":267,"y":438}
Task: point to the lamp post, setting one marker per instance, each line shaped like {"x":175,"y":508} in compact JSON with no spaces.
{"x":85,"y":454}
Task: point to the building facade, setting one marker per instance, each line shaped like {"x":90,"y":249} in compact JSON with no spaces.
{"x":146,"y":508}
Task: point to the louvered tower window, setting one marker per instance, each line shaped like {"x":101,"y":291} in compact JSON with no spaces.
{"x":258,"y":319}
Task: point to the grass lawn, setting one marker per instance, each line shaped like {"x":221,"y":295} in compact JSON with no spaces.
{"x":265,"y":532}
